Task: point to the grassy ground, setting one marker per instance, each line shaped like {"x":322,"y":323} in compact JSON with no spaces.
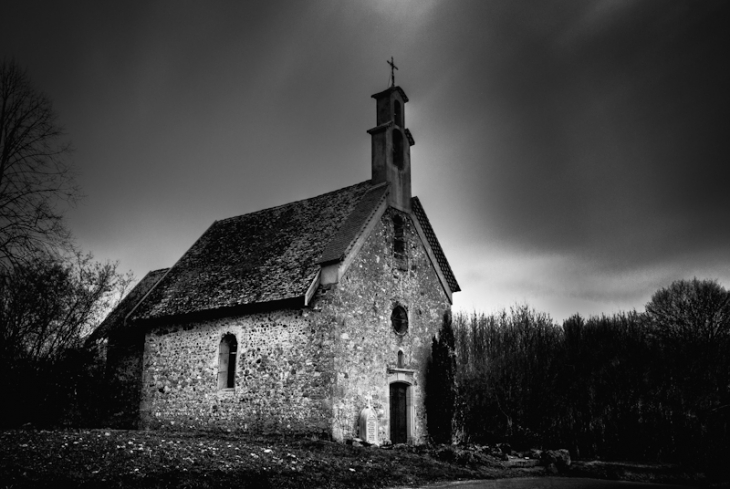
{"x":113,"y":458}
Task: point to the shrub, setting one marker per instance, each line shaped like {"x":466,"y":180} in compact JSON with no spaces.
{"x":440,"y":388}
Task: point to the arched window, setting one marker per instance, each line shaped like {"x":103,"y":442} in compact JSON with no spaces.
{"x":227,"y":362}
{"x":401,"y":359}
{"x":398,"y":149}
{"x":397,"y":113}
{"x":399,"y":243}
{"x":399,"y":320}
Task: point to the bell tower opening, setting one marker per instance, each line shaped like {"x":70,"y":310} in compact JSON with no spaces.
{"x":398,"y":149}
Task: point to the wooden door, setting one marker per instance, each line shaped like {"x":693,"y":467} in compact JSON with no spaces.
{"x":398,"y":413}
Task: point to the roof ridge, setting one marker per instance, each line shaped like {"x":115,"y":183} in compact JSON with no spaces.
{"x":362,"y":213}
{"x":370,"y":213}
{"x":296,"y":202}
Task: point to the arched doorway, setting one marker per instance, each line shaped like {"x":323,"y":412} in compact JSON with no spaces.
{"x":399,"y":412}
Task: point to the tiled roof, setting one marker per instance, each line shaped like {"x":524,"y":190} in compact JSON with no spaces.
{"x":341,"y":243}
{"x":115,"y":319}
{"x":264,"y":256}
{"x":434,"y":242}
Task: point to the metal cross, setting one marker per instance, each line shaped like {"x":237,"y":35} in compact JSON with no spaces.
{"x":392,"y":72}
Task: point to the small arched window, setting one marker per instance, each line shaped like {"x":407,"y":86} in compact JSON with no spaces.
{"x":397,"y":113}
{"x":399,"y":319}
{"x":398,"y":157}
{"x":401,"y":359}
{"x":227,"y":362}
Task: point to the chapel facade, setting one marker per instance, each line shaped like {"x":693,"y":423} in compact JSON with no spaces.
{"x":312,"y":317}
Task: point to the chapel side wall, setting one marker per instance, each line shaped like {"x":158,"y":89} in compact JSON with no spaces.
{"x":283,"y":376}
{"x":366,"y":346}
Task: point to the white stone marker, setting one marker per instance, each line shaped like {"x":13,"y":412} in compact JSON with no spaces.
{"x":369,"y":426}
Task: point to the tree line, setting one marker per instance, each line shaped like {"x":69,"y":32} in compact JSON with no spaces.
{"x":651,"y":386}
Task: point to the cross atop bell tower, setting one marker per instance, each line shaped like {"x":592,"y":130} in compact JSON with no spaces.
{"x":392,"y":72}
{"x":391,"y":145}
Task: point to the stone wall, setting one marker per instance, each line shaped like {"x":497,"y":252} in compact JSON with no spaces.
{"x":366,"y":345}
{"x":283,"y":376}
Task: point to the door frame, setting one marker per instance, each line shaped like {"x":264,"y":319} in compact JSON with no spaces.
{"x":404,"y":376}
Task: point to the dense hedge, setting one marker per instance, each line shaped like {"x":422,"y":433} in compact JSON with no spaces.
{"x":68,"y":391}
{"x":651,"y":386}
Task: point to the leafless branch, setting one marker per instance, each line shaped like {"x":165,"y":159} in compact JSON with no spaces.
{"x":36,"y":179}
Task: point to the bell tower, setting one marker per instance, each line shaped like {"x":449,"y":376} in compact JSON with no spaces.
{"x":391,"y":147}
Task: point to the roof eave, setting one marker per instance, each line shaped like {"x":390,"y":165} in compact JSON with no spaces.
{"x":296,"y":302}
{"x":449,"y":286}
{"x":382,"y":127}
{"x":387,"y":92}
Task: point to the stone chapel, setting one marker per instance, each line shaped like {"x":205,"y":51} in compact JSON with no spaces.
{"x":313,"y":317}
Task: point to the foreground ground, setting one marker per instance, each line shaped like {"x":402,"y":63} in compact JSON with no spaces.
{"x":113,"y":458}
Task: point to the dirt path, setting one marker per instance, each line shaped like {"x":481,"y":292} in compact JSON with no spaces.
{"x":550,"y":483}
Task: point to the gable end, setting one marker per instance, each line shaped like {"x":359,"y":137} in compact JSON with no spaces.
{"x":343,"y":248}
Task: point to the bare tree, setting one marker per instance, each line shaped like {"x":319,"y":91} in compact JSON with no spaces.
{"x":691,"y":311}
{"x":50,"y":305}
{"x":47,"y":308}
{"x":36,"y":179}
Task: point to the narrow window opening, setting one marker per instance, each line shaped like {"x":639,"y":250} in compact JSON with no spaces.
{"x":401,"y":359}
{"x":399,"y":243}
{"x":397,"y":114}
{"x":398,"y":159}
{"x":227,"y":362}
{"x":399,"y":320}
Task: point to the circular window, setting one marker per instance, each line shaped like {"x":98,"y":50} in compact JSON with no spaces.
{"x":399,"y":319}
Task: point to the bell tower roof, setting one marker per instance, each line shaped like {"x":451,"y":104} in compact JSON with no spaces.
{"x":387,"y":92}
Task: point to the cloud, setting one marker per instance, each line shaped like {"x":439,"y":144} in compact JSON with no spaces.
{"x":564,"y":284}
{"x":618,"y":159}
{"x":560,"y":146}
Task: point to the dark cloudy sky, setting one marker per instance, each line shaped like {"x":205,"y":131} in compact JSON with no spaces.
{"x":573,"y":155}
